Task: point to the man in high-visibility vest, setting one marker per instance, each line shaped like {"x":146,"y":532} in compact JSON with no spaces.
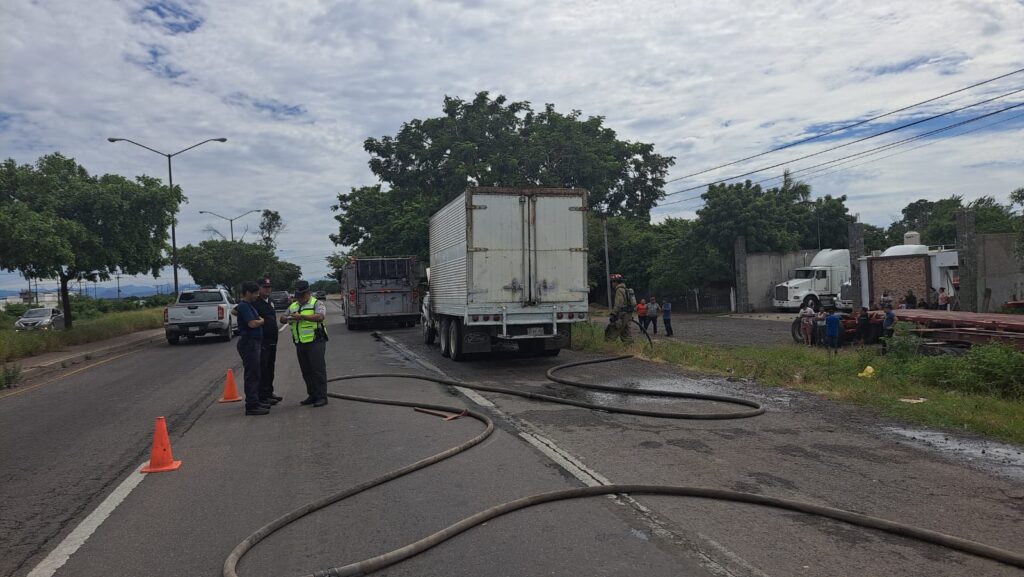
{"x":305,"y":318}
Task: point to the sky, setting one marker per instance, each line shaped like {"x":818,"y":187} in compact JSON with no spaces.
{"x":297,"y":86}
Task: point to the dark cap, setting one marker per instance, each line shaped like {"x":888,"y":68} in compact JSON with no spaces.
{"x":265,"y":281}
{"x":301,"y":287}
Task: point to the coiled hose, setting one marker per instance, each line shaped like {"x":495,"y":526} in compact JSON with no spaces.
{"x":378,"y":562}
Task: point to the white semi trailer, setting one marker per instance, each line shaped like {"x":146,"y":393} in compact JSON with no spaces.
{"x":507,"y":264}
{"x":820,"y":282}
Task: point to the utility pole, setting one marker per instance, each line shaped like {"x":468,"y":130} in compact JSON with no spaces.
{"x":607,"y":266}
{"x":118,"y":277}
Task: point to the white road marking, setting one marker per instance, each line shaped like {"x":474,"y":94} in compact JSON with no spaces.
{"x":591,"y":478}
{"x":60,"y":555}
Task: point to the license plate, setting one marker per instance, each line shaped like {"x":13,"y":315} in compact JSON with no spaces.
{"x":193,"y":329}
{"x":535,"y":331}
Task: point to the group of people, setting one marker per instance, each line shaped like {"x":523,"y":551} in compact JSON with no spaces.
{"x":938,"y":299}
{"x":647,"y":313}
{"x":821,"y":327}
{"x":257,"y":344}
{"x":624,"y":306}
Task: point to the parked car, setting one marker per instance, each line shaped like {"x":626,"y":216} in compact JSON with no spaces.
{"x":320,"y":294}
{"x":280,"y":299}
{"x":200,"y":312}
{"x":42,"y":319}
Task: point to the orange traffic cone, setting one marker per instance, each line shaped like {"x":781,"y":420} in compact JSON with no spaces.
{"x":230,"y":390}
{"x":160,"y":458}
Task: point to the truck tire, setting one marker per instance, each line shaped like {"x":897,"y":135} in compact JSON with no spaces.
{"x":455,"y":340}
{"x":172,"y":339}
{"x":798,"y":337}
{"x":429,"y":332}
{"x":228,"y":334}
{"x":349,"y":324}
{"x":812,"y":301}
{"x":443,"y":337}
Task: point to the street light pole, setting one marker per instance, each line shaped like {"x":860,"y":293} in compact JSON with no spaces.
{"x":231,"y":221}
{"x":170,"y":184}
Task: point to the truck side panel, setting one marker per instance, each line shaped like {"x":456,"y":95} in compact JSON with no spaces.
{"x":448,"y":258}
{"x":498,"y":261}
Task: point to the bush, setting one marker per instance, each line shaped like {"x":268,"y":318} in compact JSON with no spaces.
{"x":16,"y":345}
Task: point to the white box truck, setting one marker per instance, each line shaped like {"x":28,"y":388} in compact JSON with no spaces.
{"x":820,"y":282}
{"x":507,"y":265}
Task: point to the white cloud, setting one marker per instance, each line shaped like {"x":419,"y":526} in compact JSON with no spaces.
{"x":297,"y":87}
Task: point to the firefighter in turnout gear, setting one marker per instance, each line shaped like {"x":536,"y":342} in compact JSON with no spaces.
{"x":623,"y":305}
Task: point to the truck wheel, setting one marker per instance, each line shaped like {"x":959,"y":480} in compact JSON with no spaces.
{"x":228,"y":334}
{"x":349,"y":324}
{"x":429,"y":333}
{"x":812,"y":301}
{"x":798,"y":336}
{"x":455,"y":340}
{"x":172,"y":339}
{"x":443,"y":336}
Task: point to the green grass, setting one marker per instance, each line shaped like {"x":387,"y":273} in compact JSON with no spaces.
{"x":16,"y":345}
{"x":982,"y":392}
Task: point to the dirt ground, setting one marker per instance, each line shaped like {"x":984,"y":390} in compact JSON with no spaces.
{"x":725,"y":330}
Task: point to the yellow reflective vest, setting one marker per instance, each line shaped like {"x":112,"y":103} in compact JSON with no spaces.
{"x":304,"y":331}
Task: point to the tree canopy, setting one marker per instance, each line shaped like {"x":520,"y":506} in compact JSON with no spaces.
{"x":59,"y":221}
{"x":222,"y":262}
{"x":491,"y":142}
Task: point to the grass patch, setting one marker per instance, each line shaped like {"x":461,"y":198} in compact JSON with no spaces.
{"x":18,"y":345}
{"x":981,"y":392}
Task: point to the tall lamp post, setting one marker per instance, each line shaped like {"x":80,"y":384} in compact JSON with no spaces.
{"x":170,"y":184}
{"x":231,"y":221}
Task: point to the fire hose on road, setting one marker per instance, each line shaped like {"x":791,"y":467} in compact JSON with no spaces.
{"x":754,"y":409}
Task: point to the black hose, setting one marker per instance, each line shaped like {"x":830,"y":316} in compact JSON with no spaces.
{"x":376,"y":563}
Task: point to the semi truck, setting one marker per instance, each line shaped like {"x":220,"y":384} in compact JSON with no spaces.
{"x":507,"y":265}
{"x":380,"y":289}
{"x":819,"y":283}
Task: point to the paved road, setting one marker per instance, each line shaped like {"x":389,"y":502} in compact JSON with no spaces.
{"x":240,"y":472}
{"x":804,"y":448}
{"x":73,"y":440}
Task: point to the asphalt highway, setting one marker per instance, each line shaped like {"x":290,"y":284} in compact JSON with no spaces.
{"x":69,"y":444}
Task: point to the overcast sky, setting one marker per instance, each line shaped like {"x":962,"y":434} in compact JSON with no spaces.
{"x":297,"y":86}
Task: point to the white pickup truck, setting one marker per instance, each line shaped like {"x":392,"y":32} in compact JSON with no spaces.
{"x":200,"y":312}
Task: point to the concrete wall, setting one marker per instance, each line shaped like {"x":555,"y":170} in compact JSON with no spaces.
{"x":766,"y":269}
{"x":998,"y":270}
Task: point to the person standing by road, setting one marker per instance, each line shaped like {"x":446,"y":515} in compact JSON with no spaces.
{"x":641,"y":314}
{"x":268,"y":346}
{"x":666,"y":316}
{"x":833,"y":325}
{"x":863,"y":325}
{"x":653,"y":311}
{"x":807,"y":324}
{"x":943,"y":299}
{"x":250,"y":330}
{"x":621,"y":313}
{"x":819,"y":326}
{"x":306,"y":317}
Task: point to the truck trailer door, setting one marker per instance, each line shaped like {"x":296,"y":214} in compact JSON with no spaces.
{"x":558,"y":248}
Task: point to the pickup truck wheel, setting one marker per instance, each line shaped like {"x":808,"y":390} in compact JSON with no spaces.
{"x":349,"y":324}
{"x":445,"y":342}
{"x":172,"y":339}
{"x":455,"y":341}
{"x":429,"y":333}
{"x":228,"y":334}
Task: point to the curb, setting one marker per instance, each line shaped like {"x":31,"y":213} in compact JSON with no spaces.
{"x":70,"y":361}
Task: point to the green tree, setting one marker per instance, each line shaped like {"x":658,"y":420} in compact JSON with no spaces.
{"x":936,"y":220}
{"x":59,"y":221}
{"x":222,"y":262}
{"x":491,"y":142}
{"x":1017,"y":197}
{"x":271,"y":225}
{"x":874,"y":238}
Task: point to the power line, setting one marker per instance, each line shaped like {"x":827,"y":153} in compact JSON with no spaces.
{"x":869,"y":137}
{"x":854,"y":125}
{"x":889,"y":146}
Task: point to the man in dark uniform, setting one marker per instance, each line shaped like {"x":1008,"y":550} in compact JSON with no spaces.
{"x":268,"y":346}
{"x":250,"y":333}
{"x":306,"y":317}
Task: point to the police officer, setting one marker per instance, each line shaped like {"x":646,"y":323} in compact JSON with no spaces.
{"x":622,"y":311}
{"x":268,"y":346}
{"x":306,"y":318}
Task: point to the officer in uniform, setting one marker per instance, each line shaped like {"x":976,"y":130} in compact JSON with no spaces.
{"x":268,"y":346}
{"x":306,"y":316}
{"x":622,"y":312}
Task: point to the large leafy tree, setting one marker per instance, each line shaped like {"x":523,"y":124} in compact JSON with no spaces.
{"x":222,"y":262}
{"x":936,"y":220}
{"x":59,"y":221}
{"x":491,"y":142}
